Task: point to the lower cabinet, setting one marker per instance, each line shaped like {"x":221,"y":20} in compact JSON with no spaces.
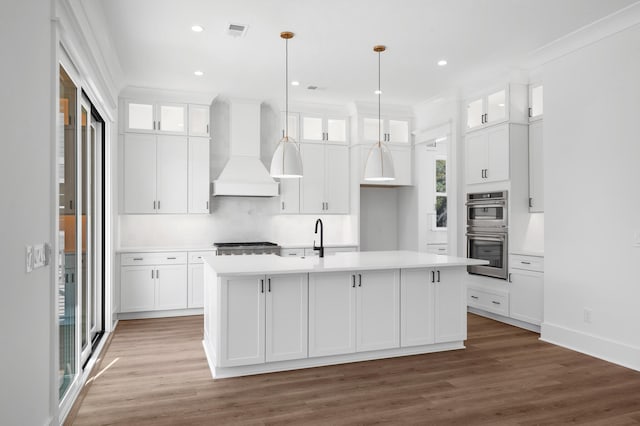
{"x":353,"y":312}
{"x":153,"y":287}
{"x":526,"y":288}
{"x":433,"y":306}
{"x":263,"y":319}
{"x":171,"y":287}
{"x":195,"y":284}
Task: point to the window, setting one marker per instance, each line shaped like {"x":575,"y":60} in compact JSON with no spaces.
{"x":440,"y":202}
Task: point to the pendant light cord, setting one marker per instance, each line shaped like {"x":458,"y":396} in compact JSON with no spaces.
{"x":286,"y":89}
{"x":379,"y":93}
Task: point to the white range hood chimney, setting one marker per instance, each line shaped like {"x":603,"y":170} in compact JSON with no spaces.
{"x":244,"y":175}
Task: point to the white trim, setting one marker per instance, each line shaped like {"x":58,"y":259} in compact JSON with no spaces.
{"x":506,"y":320}
{"x":160,"y":314}
{"x":246,"y":370}
{"x":431,"y":133}
{"x":166,"y":95}
{"x":602,"y":28}
{"x":590,"y":344}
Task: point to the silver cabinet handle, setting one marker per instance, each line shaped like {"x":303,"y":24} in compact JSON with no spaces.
{"x":525,"y":263}
{"x":138,"y":258}
{"x":474,"y":297}
{"x":154,"y":204}
{"x":530,"y":112}
{"x":159,"y":128}
{"x":207,"y":205}
{"x":171,"y":258}
{"x":530,"y":202}
{"x":152,"y":274}
{"x":359,"y":280}
{"x":158,"y":204}
{"x":495,"y":303}
{"x":157,"y":273}
{"x":438,"y":275}
{"x":283,"y":205}
{"x":207,"y":129}
{"x":509,"y":278}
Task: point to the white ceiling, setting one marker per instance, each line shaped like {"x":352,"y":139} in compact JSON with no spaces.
{"x":333,"y":45}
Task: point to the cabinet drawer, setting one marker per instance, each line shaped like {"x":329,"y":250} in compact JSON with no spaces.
{"x":164,"y":258}
{"x":492,"y":302}
{"x":292,"y":252}
{"x":437,"y":248}
{"x":529,"y":263}
{"x":195,"y":257}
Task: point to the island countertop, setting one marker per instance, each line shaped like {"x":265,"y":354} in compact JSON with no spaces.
{"x":349,"y":261}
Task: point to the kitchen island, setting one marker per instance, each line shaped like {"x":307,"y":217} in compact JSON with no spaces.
{"x":270,"y":313}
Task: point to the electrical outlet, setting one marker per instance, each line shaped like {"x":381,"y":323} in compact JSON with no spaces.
{"x":29,"y":258}
{"x":39,"y":256}
{"x":587,"y":315}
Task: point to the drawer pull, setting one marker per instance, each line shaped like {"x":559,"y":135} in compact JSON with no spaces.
{"x":138,"y":258}
{"x":474,"y":297}
{"x":525,"y":263}
{"x":495,"y":303}
{"x":171,"y":258}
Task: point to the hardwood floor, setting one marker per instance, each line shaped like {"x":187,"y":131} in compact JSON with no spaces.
{"x":155,"y":373}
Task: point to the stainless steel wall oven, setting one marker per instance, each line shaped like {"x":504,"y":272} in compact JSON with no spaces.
{"x":487,"y":233}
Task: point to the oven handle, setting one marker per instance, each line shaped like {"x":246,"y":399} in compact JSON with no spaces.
{"x":482,"y":205}
{"x":487,"y":237}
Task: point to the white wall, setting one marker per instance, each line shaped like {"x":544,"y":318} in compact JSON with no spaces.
{"x":378,"y":218}
{"x":25,"y":170}
{"x":592,"y":176}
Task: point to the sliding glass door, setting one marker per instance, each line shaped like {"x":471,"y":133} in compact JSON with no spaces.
{"x":80,"y":278}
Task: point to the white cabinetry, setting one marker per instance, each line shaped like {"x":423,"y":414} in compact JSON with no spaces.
{"x":351,"y":312}
{"x":535,"y":101}
{"x":432,"y":306}
{"x":392,"y":129}
{"x":198,"y":120}
{"x":150,"y":117}
{"x":153,"y":281}
{"x":488,"y":300}
{"x":198,"y":172}
{"x":487,"y":155}
{"x":402,"y":165}
{"x":263,"y":318}
{"x":506,"y":103}
{"x":526,"y":288}
{"x":324,"y":186}
{"x":323,"y":127}
{"x":536,"y":167}
{"x":155,"y":173}
{"x":195,"y":282}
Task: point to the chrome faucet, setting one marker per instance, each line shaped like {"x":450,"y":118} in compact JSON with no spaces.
{"x":321,"y":248}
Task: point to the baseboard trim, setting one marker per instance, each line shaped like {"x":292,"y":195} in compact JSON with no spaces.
{"x":160,"y":314}
{"x":608,"y":350}
{"x":506,"y":320}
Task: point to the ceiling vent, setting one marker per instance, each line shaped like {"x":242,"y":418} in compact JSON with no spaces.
{"x":237,"y":30}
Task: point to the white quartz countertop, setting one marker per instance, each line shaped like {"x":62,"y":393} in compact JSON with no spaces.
{"x":348,"y":261}
{"x":164,"y":249}
{"x":309,"y":245}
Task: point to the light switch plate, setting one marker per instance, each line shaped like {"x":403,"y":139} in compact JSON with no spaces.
{"x":29,"y":258}
{"x":39,"y":256}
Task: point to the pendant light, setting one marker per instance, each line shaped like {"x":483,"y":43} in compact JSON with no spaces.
{"x":379,"y":165}
{"x":286,"y":161}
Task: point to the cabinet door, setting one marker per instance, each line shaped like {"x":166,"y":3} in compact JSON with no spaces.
{"x":402,"y":165}
{"x":417,"y":313}
{"x":336,"y":186}
{"x":312,"y":128}
{"x":372,"y":130}
{"x":172,"y":118}
{"x":535,"y":101}
{"x":450,"y":305}
{"x":195,"y":286}
{"x":526,"y":296}
{"x":140,"y":117}
{"x":137,"y":288}
{"x":332,"y":314}
{"x":398,"y":131}
{"x":286,"y":321}
{"x":336,"y":129}
{"x":475,"y":112}
{"x":496,"y":107}
{"x":476,"y":156}
{"x":242,"y":321}
{"x":139,"y":173}
{"x":290,"y":195}
{"x":293,"y":123}
{"x":172,"y":157}
{"x":378,"y":310}
{"x":312,"y":190}
{"x":171,"y":287}
{"x":498,"y":153}
{"x":536,"y":167}
{"x":198,"y":175}
{"x":198,"y":120}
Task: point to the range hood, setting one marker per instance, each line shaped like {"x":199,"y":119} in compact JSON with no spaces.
{"x":244,"y":175}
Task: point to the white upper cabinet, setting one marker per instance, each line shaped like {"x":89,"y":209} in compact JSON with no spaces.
{"x":402,"y":165}
{"x":394,"y":130}
{"x":147,"y":117}
{"x":536,"y":167}
{"x":323,"y":127}
{"x":294,"y":125}
{"x":198,"y":120}
{"x":506,"y":103}
{"x":325,"y":184}
{"x":198,"y":175}
{"x":487,"y":155}
{"x":535,"y":101}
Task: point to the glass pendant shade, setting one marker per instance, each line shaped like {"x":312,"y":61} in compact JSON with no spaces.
{"x":286,"y":161}
{"x":379,"y":166}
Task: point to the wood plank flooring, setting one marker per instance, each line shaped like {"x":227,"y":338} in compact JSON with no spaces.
{"x":155,"y":373}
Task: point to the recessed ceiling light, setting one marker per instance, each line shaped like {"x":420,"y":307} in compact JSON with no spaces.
{"x":377,"y":92}
{"x":198,"y":73}
{"x":442,"y":62}
{"x":295,"y":83}
{"x":197,"y":29}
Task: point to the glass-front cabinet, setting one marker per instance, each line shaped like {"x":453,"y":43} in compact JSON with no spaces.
{"x":488,"y":109}
{"x":535,"y":101}
{"x":148,"y":117}
{"x":323,"y":128}
{"x":385,"y":130}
